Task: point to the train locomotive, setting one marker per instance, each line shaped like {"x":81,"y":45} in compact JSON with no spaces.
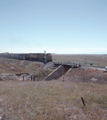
{"x":41,"y":57}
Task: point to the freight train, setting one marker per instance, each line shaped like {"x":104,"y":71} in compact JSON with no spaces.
{"x":41,"y":57}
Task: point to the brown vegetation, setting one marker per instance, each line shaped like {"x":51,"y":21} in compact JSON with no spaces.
{"x":52,"y":100}
{"x":85,"y":75}
{"x":10,"y":67}
{"x":18,"y":66}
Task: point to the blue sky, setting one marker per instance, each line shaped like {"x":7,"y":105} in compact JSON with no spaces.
{"x":57,"y":26}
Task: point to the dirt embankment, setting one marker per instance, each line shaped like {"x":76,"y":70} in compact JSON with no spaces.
{"x":85,"y":75}
{"x":11,"y":69}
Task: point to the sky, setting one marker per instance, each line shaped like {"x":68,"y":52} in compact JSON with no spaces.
{"x":54,"y":26}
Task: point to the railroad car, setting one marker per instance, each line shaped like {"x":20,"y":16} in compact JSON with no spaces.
{"x":41,"y":57}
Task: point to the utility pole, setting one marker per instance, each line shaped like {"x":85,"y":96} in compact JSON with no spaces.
{"x":83,"y":75}
{"x":45,"y":59}
{"x":85,"y":61}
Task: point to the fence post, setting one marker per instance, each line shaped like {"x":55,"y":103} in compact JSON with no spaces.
{"x":83,"y":75}
{"x":83,"y":101}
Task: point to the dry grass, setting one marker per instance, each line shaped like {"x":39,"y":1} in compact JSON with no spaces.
{"x":12,"y":66}
{"x":18,"y":66}
{"x":85,"y":75}
{"x":53,"y":100}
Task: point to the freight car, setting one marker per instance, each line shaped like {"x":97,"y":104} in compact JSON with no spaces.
{"x":41,"y":57}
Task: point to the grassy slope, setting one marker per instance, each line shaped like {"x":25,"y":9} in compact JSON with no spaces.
{"x":15,"y":66}
{"x":52,"y":100}
{"x":85,"y":75}
{"x":22,"y":66}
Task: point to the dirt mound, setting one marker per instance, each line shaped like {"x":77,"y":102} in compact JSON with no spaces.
{"x":85,"y":75}
{"x":15,"y":66}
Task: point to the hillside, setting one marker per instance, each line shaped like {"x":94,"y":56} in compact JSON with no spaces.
{"x":11,"y":67}
{"x":51,"y":100}
{"x":87,"y":75}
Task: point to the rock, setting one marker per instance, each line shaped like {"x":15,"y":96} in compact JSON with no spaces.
{"x":48,"y":65}
{"x":94,"y":79}
{"x":5,"y":117}
{"x":8,"y":76}
{"x":13,"y":68}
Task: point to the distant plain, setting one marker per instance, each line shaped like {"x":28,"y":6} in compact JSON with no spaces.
{"x":96,"y":59}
